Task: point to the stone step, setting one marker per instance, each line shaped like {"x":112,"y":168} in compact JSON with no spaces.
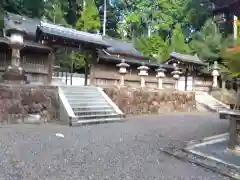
{"x":89,"y":105}
{"x":84,"y":98}
{"x":82,"y":95}
{"x":98,"y":121}
{"x":93,"y":108}
{"x":86,"y":101}
{"x":86,"y":104}
{"x":95,"y":112}
{"x":80,"y":92}
{"x":101,"y":116}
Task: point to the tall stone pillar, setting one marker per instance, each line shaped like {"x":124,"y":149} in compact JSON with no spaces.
{"x":122,"y":71}
{"x":215,"y":74}
{"x":142,"y":73}
{"x":176,"y":75}
{"x":14,"y":72}
{"x":160,"y":75}
{"x":235,"y":27}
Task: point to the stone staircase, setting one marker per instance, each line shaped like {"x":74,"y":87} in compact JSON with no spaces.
{"x":87,"y":105}
{"x":209,"y":102}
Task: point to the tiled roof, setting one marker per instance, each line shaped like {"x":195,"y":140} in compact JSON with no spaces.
{"x":28,"y":25}
{"x":72,"y":34}
{"x":187,"y":58}
{"x":122,"y":47}
{"x":117,"y":59}
{"x":27,"y":43}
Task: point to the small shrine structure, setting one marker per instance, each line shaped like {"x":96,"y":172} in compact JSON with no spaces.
{"x":193,"y":76}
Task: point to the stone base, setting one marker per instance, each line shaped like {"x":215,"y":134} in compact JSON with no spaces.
{"x":216,"y":148}
{"x":14,"y":75}
{"x":211,"y":153}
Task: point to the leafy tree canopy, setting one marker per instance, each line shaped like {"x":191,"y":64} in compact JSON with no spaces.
{"x":208,"y":43}
{"x":89,"y":20}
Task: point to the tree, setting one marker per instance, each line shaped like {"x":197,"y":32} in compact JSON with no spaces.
{"x":90,"y":22}
{"x":158,"y":16}
{"x":155,"y":46}
{"x":24,"y":7}
{"x":151,"y":46}
{"x":1,"y":20}
{"x":209,"y":42}
{"x":197,"y":12}
{"x":231,"y":60}
{"x":113,"y":17}
{"x":178,"y":41}
{"x":54,"y":12}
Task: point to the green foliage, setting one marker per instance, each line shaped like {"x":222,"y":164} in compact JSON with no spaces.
{"x":89,"y":20}
{"x":232,"y":62}
{"x":158,"y":48}
{"x":196,"y":12}
{"x":1,"y":20}
{"x":24,"y":7}
{"x":54,"y":12}
{"x":231,"y":59}
{"x":178,"y":41}
{"x":160,"y":15}
{"x":150,"y":46}
{"x":113,"y":17}
{"x":209,"y":42}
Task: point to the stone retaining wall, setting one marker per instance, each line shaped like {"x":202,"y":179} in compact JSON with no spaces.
{"x":137,"y":101}
{"x":226,"y":96}
{"x":22,"y":103}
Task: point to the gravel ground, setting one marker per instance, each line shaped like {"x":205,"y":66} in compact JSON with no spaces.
{"x":114,"y":151}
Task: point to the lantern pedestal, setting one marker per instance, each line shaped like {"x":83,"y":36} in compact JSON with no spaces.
{"x":160,"y":83}
{"x":122,"y":80}
{"x":215,"y":74}
{"x":160,"y":75}
{"x":15,"y":73}
{"x":176,"y":75}
{"x":122,"y":71}
{"x":143,"y":72}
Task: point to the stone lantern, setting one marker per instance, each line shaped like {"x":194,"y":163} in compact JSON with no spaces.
{"x":122,"y":70}
{"x":160,"y":75}
{"x":14,"y":72}
{"x":176,"y":74}
{"x":215,"y":74}
{"x":143,"y":71}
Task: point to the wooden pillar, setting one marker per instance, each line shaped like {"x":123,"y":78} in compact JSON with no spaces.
{"x":93,"y":62}
{"x":51,"y":61}
{"x":232,"y":134}
{"x":186,"y":79}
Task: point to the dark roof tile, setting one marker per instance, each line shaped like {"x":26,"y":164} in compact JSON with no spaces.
{"x":120,"y":46}
{"x":73,"y":34}
{"x":28,"y":25}
{"x":187,"y":58}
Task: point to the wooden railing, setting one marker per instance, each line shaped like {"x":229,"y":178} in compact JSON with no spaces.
{"x":34,"y":64}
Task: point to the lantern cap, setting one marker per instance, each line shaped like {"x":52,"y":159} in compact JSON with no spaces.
{"x":15,"y":27}
{"x":215,"y":66}
{"x":176,"y":72}
{"x":143,"y":67}
{"x":123,"y":64}
{"x":160,"y":69}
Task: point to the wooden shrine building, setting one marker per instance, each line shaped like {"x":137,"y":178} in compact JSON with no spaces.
{"x":42,"y":39}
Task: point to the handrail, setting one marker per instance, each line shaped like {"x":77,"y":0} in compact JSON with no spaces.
{"x":115,"y":107}
{"x":68,"y":113}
